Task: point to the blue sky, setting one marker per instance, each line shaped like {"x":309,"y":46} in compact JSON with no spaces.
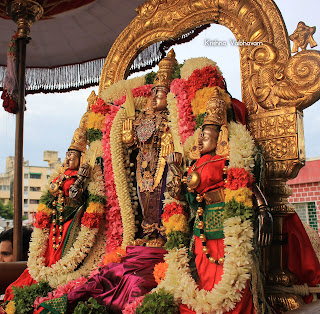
{"x":51,"y":119}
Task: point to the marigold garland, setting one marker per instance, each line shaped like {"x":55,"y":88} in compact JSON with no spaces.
{"x":159,"y":271}
{"x":205,"y":77}
{"x":114,"y":256}
{"x":241,"y":195}
{"x":95,"y":121}
{"x":176,"y":223}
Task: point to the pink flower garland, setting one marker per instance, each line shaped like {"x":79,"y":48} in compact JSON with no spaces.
{"x":114,"y":227}
{"x":60,"y":291}
{"x":113,"y":214}
{"x":131,"y":308}
{"x":187,"y":124}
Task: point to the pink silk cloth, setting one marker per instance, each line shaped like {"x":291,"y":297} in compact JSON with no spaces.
{"x":119,"y":284}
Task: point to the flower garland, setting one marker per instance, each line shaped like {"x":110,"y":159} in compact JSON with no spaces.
{"x":186,"y":122}
{"x":60,"y":291}
{"x":122,"y":187}
{"x":238,"y":245}
{"x":87,"y":248}
{"x":118,"y":192}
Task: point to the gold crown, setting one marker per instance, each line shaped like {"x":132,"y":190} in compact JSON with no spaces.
{"x":79,"y":140}
{"x":216,"y":109}
{"x":166,"y":68}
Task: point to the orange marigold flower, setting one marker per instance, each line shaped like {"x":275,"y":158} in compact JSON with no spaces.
{"x":114,"y":256}
{"x":159,"y":272}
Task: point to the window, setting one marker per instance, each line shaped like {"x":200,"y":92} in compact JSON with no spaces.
{"x":26,"y":176}
{"x":0,"y":187}
{"x":34,"y":188}
{"x":34,"y":202}
{"x":25,"y":189}
{"x":35,"y":175}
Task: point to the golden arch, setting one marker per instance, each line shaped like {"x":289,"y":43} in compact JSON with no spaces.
{"x":249,"y":20}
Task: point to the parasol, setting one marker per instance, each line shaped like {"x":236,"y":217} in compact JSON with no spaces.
{"x":69,"y":44}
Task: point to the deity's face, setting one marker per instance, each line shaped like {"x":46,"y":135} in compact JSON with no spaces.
{"x":159,"y":98}
{"x":208,"y":139}
{"x":72,"y":160}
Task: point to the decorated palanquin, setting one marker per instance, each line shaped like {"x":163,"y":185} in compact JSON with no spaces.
{"x":191,"y":254}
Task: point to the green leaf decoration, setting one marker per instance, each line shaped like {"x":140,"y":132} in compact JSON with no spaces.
{"x":160,"y":302}
{"x":94,"y":135}
{"x":176,"y":239}
{"x":24,"y":296}
{"x":90,"y":307}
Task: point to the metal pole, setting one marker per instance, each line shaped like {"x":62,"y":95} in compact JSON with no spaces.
{"x":24,"y":13}
{"x":18,"y":164}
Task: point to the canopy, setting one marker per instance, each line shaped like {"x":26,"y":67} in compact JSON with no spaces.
{"x":69,"y":43}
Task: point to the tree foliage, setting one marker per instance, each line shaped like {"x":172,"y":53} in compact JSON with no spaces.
{"x":6,"y":211}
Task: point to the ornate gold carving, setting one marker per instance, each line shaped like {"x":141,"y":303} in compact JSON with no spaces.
{"x":270,"y":125}
{"x":24,"y":13}
{"x":275,"y":86}
{"x":302,"y":37}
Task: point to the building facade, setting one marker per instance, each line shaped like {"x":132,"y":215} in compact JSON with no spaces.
{"x":306,"y":193}
{"x":35,"y":178}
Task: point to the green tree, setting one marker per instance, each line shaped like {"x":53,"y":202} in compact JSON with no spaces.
{"x":6,"y":211}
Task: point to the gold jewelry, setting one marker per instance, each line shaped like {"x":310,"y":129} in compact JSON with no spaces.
{"x":166,"y":68}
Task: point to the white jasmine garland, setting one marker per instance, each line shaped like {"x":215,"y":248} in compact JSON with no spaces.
{"x":238,"y":246}
{"x":236,"y":272}
{"x":64,"y":269}
{"x":196,"y":64}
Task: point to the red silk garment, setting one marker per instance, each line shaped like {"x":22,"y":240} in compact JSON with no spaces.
{"x":210,"y":169}
{"x":302,"y":260}
{"x":210,"y":274}
{"x":52,"y":256}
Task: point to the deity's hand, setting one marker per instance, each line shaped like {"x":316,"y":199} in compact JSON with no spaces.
{"x":127,"y":132}
{"x":84,"y":170}
{"x":174,"y":161}
{"x":265,"y":226}
{"x":174,"y":188}
{"x":75,"y":191}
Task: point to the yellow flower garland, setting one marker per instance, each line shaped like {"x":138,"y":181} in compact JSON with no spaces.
{"x":176,"y":223}
{"x":95,"y":121}
{"x":241,"y":195}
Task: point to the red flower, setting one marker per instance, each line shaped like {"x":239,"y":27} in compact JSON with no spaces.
{"x":42,"y":220}
{"x":100,"y":107}
{"x":172,"y":209}
{"x":91,"y":220}
{"x":238,"y":178}
{"x":206,"y":77}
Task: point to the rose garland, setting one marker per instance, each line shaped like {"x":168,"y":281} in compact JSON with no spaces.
{"x":87,"y":249}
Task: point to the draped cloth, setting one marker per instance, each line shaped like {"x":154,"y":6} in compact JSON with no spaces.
{"x":301,"y":258}
{"x":210,"y":274}
{"x":119,"y":284}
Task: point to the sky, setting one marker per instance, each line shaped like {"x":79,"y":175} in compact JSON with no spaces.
{"x":51,"y":119}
